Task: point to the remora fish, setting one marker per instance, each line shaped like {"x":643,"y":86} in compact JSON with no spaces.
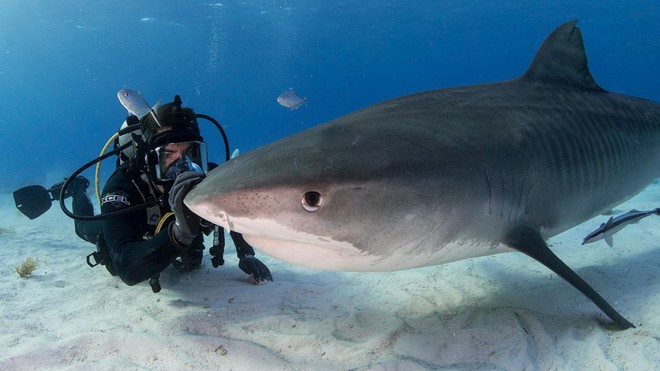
{"x":290,"y":99}
{"x":613,"y":225}
{"x":448,"y":174}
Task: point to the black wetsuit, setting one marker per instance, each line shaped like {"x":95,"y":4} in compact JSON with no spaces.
{"x":135,"y":251}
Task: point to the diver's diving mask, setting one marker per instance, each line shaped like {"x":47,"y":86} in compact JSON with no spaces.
{"x":178,"y":158}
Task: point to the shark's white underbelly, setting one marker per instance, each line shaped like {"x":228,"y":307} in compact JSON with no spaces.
{"x":321,"y":252}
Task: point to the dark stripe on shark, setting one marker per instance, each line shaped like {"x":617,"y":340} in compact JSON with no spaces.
{"x":586,"y":157}
{"x":601,"y":146}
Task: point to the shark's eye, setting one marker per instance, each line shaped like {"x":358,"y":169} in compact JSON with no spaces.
{"x":312,"y":201}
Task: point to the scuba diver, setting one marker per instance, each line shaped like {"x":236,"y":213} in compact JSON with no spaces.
{"x":144,"y":226}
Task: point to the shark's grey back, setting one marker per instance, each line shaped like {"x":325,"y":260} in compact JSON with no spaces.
{"x":542,"y":151}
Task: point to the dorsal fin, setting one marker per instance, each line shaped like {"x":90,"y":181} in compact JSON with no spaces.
{"x":562,"y":60}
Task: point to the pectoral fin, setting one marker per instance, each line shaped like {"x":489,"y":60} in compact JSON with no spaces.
{"x":610,"y":241}
{"x":530,"y":242}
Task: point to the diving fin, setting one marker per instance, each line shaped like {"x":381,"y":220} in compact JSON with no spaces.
{"x":530,"y":242}
{"x":32,"y":200}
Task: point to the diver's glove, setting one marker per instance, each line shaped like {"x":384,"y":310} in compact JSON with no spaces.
{"x":246,"y":260}
{"x":79,"y":184}
{"x":251,"y":265}
{"x":187,"y":224}
{"x":190,"y":259}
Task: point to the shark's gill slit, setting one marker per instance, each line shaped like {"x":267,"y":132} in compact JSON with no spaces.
{"x":490,"y":193}
{"x":312,"y":201}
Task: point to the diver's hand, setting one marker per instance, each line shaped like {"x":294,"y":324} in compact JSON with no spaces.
{"x":251,"y":265}
{"x":187,"y":224}
{"x":79,"y":184}
{"x":190,"y":259}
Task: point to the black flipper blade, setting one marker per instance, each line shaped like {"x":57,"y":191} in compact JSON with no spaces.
{"x":32,"y":200}
{"x":530,"y":242}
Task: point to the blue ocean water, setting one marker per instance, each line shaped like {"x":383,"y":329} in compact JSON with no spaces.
{"x":62,"y":62}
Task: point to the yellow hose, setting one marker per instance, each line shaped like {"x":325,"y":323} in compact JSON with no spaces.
{"x":98,"y":167}
{"x":162,"y":221}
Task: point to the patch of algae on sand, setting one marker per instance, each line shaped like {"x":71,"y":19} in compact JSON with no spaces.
{"x":5,"y":231}
{"x":28,"y":266}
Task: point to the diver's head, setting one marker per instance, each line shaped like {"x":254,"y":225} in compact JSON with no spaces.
{"x":169,"y":116}
{"x":174,"y":143}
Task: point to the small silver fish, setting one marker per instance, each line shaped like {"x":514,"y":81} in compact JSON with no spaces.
{"x":135,"y":103}
{"x":290,"y":99}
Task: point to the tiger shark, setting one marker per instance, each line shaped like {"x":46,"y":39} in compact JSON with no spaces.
{"x":449,"y":174}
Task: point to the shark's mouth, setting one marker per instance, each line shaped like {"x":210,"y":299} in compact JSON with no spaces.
{"x":323,"y":255}
{"x":301,"y":248}
{"x":293,"y":246}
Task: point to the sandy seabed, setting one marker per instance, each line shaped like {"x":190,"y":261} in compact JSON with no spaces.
{"x":498,"y":312}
